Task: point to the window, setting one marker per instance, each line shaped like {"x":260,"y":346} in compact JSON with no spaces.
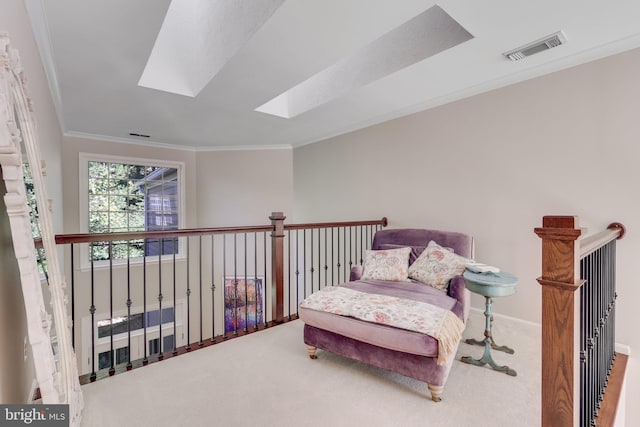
{"x":131,"y":196}
{"x":104,"y":358}
{"x":137,"y":321}
{"x":154,"y":344}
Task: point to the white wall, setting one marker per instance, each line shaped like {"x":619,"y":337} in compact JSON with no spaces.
{"x":243,"y":187}
{"x":16,"y":373}
{"x":492,"y":166}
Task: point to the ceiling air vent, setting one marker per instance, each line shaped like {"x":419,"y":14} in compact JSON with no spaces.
{"x":537,"y":46}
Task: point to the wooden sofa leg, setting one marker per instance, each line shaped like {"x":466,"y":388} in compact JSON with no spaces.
{"x":436,"y":392}
{"x":312,"y":352}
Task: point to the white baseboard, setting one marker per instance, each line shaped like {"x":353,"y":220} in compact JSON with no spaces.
{"x":623,"y":349}
{"x":620,"y":348}
{"x":504,"y":316}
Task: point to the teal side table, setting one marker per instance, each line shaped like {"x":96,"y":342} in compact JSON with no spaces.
{"x":490,"y":285}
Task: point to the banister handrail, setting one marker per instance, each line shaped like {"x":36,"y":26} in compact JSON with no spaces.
{"x":589,"y":244}
{"x":64,"y":239}
{"x":383,"y":222}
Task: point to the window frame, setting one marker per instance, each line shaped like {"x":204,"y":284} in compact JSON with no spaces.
{"x":83,"y":205}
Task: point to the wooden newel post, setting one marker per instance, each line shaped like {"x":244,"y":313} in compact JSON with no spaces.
{"x":277,"y":266}
{"x":560,"y":282}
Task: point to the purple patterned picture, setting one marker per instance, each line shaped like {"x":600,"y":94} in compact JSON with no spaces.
{"x":243,"y":305}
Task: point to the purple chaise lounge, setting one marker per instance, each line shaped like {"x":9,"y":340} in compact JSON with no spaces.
{"x":406,"y":352}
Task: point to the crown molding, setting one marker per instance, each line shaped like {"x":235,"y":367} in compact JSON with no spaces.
{"x":40,"y":28}
{"x":155,"y":144}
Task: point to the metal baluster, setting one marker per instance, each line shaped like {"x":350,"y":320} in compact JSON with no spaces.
{"x":112,"y":369}
{"x":312,"y":270}
{"x":338,"y":257}
{"x":160,"y":250}
{"x":224,"y":284}
{"x":297,"y":272}
{"x":188,"y":346}
{"x":583,"y":358}
{"x":266,"y":288}
{"x":73,"y":301}
{"x":213,"y":290}
{"x":129,"y":365}
{"x":594,"y":337}
{"x":201,"y":342}
{"x":319,"y":260}
{"x":333,"y":280}
{"x":361,"y":247}
{"x":326,"y":267}
{"x":304,"y":261}
{"x":246,"y":291}
{"x":175,"y":313}
{"x":289,"y":271}
{"x":594,"y":309}
{"x":235,"y":284}
{"x":255,"y":278}
{"x":597,"y":306}
{"x":350,"y":250}
{"x":344,"y":253}
{"x":92,"y":310}
{"x":145,"y":360}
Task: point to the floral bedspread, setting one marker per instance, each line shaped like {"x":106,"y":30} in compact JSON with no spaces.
{"x":402,"y":313}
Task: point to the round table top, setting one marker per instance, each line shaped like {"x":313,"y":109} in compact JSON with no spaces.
{"x":491,"y":284}
{"x":491,"y":279}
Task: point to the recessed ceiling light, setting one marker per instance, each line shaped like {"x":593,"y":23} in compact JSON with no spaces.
{"x":537,"y":46}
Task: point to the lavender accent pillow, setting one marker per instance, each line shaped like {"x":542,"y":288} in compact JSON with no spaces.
{"x":436,"y":266}
{"x":386,"y":264}
{"x":415,"y":250}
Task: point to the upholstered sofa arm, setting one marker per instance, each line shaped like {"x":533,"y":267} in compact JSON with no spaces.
{"x":458,"y":290}
{"x":356,"y":273}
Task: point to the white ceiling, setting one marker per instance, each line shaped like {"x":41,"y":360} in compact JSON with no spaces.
{"x":95,"y":52}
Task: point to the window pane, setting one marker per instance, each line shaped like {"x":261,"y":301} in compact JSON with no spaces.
{"x":98,"y":222}
{"x":104,"y":360}
{"x":136,"y":221}
{"x":118,"y":170}
{"x":98,"y":186}
{"x":170,"y":173}
{"x":119,"y":187}
{"x":135,"y":203}
{"x":122,"y":355}
{"x":117,"y":203}
{"x":98,"y":203}
{"x":136,"y":172}
{"x":117,"y":220}
{"x":98,"y":169}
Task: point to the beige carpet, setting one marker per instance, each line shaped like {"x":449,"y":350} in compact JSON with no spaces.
{"x":267,"y":379}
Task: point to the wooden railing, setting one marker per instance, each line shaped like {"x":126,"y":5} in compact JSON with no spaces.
{"x":200,"y":286}
{"x":581,"y":373}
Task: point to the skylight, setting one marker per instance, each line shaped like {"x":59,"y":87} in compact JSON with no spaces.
{"x":197,"y":38}
{"x":425,"y":35}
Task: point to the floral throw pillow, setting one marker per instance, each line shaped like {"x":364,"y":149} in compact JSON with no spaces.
{"x":436,"y":266}
{"x":413,"y":255}
{"x":390,"y":264}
